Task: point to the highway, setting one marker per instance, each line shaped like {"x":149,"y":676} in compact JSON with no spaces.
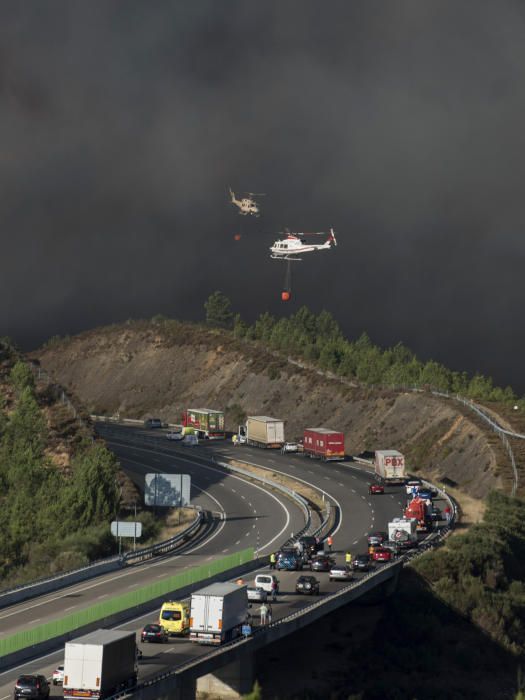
{"x":255,"y":517}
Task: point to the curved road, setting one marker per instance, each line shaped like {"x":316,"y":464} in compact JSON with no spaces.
{"x":254,"y":517}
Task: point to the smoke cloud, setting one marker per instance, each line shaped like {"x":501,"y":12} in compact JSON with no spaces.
{"x":399,"y":124}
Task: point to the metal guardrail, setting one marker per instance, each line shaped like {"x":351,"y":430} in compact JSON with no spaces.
{"x":502,"y":432}
{"x":167,"y":545}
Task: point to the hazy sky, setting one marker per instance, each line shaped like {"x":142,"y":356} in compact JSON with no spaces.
{"x":401,"y":124}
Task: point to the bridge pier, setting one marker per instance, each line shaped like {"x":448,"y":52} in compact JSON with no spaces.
{"x":230,"y":681}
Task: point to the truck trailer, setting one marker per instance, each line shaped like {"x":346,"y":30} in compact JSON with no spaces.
{"x":262,"y":431}
{"x":206,"y":423}
{"x":324,"y":444}
{"x":389,"y":465}
{"x":100,"y":664}
{"x":403,"y":531}
{"x":218,"y":613}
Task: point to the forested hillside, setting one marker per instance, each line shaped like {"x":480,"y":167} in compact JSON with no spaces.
{"x":58,"y":488}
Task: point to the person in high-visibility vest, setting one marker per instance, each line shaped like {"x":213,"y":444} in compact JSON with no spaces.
{"x":329,"y":542}
{"x":272,"y":560}
{"x":348,"y":558}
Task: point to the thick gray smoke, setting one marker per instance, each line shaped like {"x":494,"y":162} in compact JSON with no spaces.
{"x":400,"y":124}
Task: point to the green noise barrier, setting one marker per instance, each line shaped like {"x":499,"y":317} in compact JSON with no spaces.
{"x":77,"y":620}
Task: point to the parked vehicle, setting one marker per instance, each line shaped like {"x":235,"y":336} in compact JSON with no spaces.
{"x":256,"y":595}
{"x":153,"y":423}
{"x":382,"y":554}
{"x":175,"y":435}
{"x":174,"y":616}
{"x":322,"y":562}
{"x":418,"y":510}
{"x":290,"y":447}
{"x":218,"y":612}
{"x":377,"y":537}
{"x":289,"y":560}
{"x":99,"y":664}
{"x":426,"y":493}
{"x":262,"y":431}
{"x":308,"y":585}
{"x":58,"y":675}
{"x":191,"y":440}
{"x":375,"y":489}
{"x":268,"y":582}
{"x":324,"y":444}
{"x":389,"y":465}
{"x":413,"y":485}
{"x":362,"y":562}
{"x":403,"y":531}
{"x":31,"y":686}
{"x":154,"y":633}
{"x":341,"y":572}
{"x":206,"y":422}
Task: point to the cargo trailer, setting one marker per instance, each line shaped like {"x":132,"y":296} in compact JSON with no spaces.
{"x":324,"y":444}
{"x":389,"y":465}
{"x":206,"y":423}
{"x":100,"y":664}
{"x":262,"y":431}
{"x":218,"y":612}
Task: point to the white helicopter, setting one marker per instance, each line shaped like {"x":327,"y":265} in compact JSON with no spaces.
{"x":247,"y":205}
{"x":295,"y":244}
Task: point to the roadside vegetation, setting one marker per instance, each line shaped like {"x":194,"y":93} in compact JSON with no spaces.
{"x":51,"y":518}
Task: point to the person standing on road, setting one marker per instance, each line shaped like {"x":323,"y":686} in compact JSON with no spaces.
{"x":329,"y":542}
{"x":269,"y":614}
{"x":272,"y":560}
{"x":448,"y":514}
{"x":264,"y":613}
{"x":274,"y":591}
{"x":348,"y":558}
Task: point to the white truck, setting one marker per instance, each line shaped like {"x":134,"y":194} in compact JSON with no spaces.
{"x":218,"y":612}
{"x":403,"y":532}
{"x":262,"y":431}
{"x":100,"y":664}
{"x":389,"y":466}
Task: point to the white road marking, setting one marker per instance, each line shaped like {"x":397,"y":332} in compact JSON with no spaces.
{"x":104,"y":595}
{"x":247,"y":534}
{"x":369,"y":504}
{"x":327,"y":478}
{"x":243,"y":497}
{"x":238,"y":542}
{"x":355,"y":541}
{"x":340,"y":484}
{"x":234,"y":491}
{"x":208,"y":558}
{"x":225,"y":550}
{"x":354,"y":491}
{"x":36,"y":620}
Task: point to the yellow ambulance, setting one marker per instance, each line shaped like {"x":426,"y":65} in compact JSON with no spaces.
{"x":175,"y":617}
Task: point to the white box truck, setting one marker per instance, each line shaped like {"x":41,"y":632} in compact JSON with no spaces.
{"x":389,"y":465}
{"x":218,"y":613}
{"x":403,"y":532}
{"x":262,"y":431}
{"x":99,"y":664}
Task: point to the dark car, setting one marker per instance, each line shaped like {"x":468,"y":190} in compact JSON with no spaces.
{"x":308,"y":585}
{"x":436,"y":513}
{"x":31,"y":686}
{"x":425,"y":493}
{"x":153,"y":423}
{"x":310,"y":545}
{"x":377,"y":537}
{"x":362,"y":562}
{"x":321,"y":562}
{"x":289,"y":560}
{"x":376,"y":488}
{"x":154,"y":633}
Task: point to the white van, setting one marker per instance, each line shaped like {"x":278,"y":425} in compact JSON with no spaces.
{"x":268,"y":582}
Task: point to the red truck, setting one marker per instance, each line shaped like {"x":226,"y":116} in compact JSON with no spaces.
{"x":417,"y":510}
{"x":324,"y":444}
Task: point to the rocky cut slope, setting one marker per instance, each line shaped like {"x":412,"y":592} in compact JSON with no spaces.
{"x":145,"y":368}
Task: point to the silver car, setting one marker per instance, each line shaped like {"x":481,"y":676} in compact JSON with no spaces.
{"x":341,"y":572}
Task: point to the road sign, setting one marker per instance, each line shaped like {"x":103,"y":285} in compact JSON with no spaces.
{"x":169,"y":490}
{"x":121,"y":528}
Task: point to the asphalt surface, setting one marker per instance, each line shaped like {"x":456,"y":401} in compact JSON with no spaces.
{"x":274,"y":519}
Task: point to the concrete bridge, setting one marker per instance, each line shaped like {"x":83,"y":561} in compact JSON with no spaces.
{"x":230,"y":670}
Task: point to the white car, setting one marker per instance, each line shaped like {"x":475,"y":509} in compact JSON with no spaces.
{"x":174,"y":435}
{"x":58,"y":675}
{"x":341,"y":572}
{"x":290,"y":447}
{"x":257,"y":595}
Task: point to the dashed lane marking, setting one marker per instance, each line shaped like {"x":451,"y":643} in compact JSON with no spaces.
{"x":340,"y":484}
{"x":238,"y":542}
{"x":225,"y":550}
